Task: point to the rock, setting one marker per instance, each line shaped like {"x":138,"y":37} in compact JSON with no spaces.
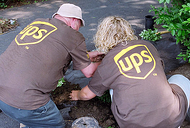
{"x":85,"y":122}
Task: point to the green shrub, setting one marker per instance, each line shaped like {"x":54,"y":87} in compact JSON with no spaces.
{"x":11,"y":3}
{"x":174,"y":16}
{"x":151,"y":35}
{"x":3,"y":4}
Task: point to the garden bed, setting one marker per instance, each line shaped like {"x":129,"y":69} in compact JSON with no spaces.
{"x":95,"y":107}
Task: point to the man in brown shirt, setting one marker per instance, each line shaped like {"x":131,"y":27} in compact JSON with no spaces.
{"x":133,"y":71}
{"x":34,"y":62}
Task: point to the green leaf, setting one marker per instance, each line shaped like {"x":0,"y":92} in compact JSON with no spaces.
{"x":161,"y":1}
{"x":178,"y":25}
{"x":60,"y":82}
{"x":173,"y":32}
{"x":168,"y":1}
{"x":172,"y":25}
{"x":183,"y":33}
{"x":185,"y":22}
{"x":165,"y":26}
{"x":179,"y":33}
{"x":177,"y":41}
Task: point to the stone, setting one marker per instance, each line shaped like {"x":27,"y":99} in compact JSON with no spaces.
{"x":85,"y":122}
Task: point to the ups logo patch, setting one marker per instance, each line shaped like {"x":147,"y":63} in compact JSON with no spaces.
{"x":136,"y":59}
{"x":34,"y":34}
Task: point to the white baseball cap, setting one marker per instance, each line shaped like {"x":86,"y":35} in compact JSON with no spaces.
{"x":70,"y":10}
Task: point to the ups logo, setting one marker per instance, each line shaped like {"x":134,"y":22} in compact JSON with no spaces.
{"x":136,"y":59}
{"x":33,"y":34}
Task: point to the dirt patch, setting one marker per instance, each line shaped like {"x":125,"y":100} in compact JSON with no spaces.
{"x":95,"y":107}
{"x":184,"y":70}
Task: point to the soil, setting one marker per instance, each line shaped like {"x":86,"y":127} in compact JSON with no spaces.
{"x":96,"y":108}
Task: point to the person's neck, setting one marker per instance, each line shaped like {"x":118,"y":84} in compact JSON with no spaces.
{"x":64,"y":19}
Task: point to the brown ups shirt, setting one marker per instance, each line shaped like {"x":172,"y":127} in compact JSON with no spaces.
{"x":142,"y":97}
{"x":33,"y":63}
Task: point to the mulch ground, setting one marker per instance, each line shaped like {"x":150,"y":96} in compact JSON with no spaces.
{"x":7,"y":24}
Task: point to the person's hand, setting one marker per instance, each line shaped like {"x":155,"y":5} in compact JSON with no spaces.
{"x":74,"y":95}
{"x":96,"y":56}
{"x":83,"y":94}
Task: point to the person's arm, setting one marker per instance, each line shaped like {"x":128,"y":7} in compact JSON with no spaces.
{"x":83,"y":94}
{"x":90,"y":69}
{"x":96,"y":58}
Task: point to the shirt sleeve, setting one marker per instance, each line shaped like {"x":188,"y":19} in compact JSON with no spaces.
{"x":80,"y":57}
{"x":96,"y":86}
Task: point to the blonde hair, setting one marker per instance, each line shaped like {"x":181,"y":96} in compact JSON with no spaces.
{"x":112,"y":31}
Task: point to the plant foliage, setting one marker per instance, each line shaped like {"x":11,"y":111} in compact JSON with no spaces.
{"x":174,"y":15}
{"x":106,"y":98}
{"x":60,"y":82}
{"x":12,"y":3}
{"x":3,"y":4}
{"x":150,"y":35}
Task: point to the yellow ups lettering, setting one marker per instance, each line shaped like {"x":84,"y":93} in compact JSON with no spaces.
{"x":130,"y":66}
{"x":25,"y":29}
{"x":136,"y":63}
{"x":149,"y":59}
{"x":30,"y":32}
{"x":35,"y":33}
{"x":40,"y":35}
{"x":135,"y":60}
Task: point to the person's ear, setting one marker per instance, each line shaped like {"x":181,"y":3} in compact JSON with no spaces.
{"x":75,"y":24}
